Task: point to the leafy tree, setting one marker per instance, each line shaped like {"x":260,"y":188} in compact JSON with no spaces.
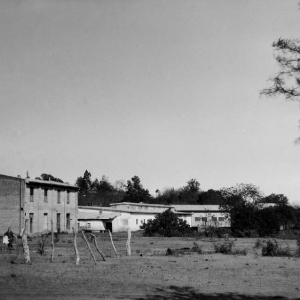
{"x":135,"y":191}
{"x":166,"y":224}
{"x":47,"y":177}
{"x":84,"y":183}
{"x":279,"y":199}
{"x":210,"y":197}
{"x":286,"y":82}
{"x":242,"y":203}
{"x":192,"y":186}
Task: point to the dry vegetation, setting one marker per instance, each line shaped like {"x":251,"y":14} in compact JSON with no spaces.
{"x":149,"y":273}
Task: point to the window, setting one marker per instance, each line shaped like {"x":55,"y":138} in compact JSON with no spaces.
{"x":204,"y":219}
{"x":221,"y":218}
{"x":214,"y":219}
{"x":137,"y":221}
{"x":45,"y":221}
{"x":88,"y":225}
{"x":197,"y":219}
{"x":45,"y":195}
{"x":58,"y":196}
{"x":68,"y":221}
{"x":68,"y":197}
{"x":31,"y":194}
{"x":140,"y":208}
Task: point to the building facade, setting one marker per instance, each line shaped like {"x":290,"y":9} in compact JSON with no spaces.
{"x":38,"y":201}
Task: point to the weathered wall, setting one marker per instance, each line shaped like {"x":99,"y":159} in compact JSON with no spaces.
{"x":38,"y":207}
{"x":11,"y":202}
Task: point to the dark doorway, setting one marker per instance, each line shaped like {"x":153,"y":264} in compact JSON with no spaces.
{"x":109,"y":226}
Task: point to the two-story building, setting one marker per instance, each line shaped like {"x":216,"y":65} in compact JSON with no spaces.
{"x":38,"y":201}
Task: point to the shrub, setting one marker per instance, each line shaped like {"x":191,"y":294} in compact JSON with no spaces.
{"x":258,"y":244}
{"x":197,"y":248}
{"x":298,"y":247}
{"x":239,"y":251}
{"x":224,"y":248}
{"x":42,"y":243}
{"x":273,"y":249}
{"x":166,"y":224}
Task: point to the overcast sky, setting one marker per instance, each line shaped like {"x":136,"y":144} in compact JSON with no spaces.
{"x":165,"y":90}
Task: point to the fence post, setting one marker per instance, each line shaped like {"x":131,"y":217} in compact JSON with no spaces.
{"x":89,"y":247}
{"x":25,"y":244}
{"x":128,"y":247}
{"x":100,"y":252}
{"x":112,"y":242}
{"x":75,"y":247}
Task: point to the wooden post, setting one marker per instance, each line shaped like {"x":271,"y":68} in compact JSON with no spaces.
{"x":95,"y":242}
{"x":112,"y":243}
{"x":75,"y":247}
{"x":52,"y":243}
{"x":25,"y":244}
{"x":128,"y":248}
{"x":89,"y":247}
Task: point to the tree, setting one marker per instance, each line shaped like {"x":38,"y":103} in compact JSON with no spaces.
{"x":166,"y":224}
{"x":241,"y":203}
{"x":210,"y":197}
{"x":135,"y":191}
{"x":49,"y":177}
{"x":192,"y":186}
{"x":287,"y":81}
{"x":84,"y":183}
{"x":279,"y":199}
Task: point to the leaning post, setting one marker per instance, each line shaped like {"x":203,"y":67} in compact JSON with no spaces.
{"x":25,"y":244}
{"x":128,"y":247}
{"x":75,"y":247}
{"x":112,"y":242}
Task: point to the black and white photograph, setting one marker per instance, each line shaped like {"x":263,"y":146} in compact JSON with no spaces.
{"x":149,"y":149}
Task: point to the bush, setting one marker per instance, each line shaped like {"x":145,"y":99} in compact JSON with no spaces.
{"x":42,"y":243}
{"x":166,"y":224}
{"x":273,"y":249}
{"x":224,"y":248}
{"x":298,"y":247}
{"x":197,"y":248}
{"x":239,"y":251}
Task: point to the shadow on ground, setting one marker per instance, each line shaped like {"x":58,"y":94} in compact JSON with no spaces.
{"x":185,"y":293}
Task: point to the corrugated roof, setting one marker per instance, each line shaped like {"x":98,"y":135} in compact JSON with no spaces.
{"x":196,"y":207}
{"x":46,"y":182}
{"x":142,"y":204}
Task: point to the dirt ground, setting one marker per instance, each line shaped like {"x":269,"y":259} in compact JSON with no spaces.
{"x":148,"y":273}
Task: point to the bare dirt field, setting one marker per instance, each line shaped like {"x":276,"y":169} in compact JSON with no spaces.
{"x":148,"y":273}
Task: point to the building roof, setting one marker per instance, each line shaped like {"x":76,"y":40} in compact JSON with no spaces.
{"x":51,"y":183}
{"x":127,"y":210}
{"x":142,"y":204}
{"x":195,"y":208}
{"x":95,"y":215}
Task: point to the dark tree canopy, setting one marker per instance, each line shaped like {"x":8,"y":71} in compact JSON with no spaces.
{"x":48,"y":177}
{"x":286,"y":82}
{"x":210,"y":197}
{"x":166,"y":224}
{"x":135,"y":191}
{"x":279,"y":199}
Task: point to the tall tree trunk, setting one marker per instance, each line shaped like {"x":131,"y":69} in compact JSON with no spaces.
{"x":75,"y":247}
{"x":25,"y":244}
{"x":89,"y":247}
{"x":100,"y":252}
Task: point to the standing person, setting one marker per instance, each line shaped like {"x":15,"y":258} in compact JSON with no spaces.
{"x":10,"y":236}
